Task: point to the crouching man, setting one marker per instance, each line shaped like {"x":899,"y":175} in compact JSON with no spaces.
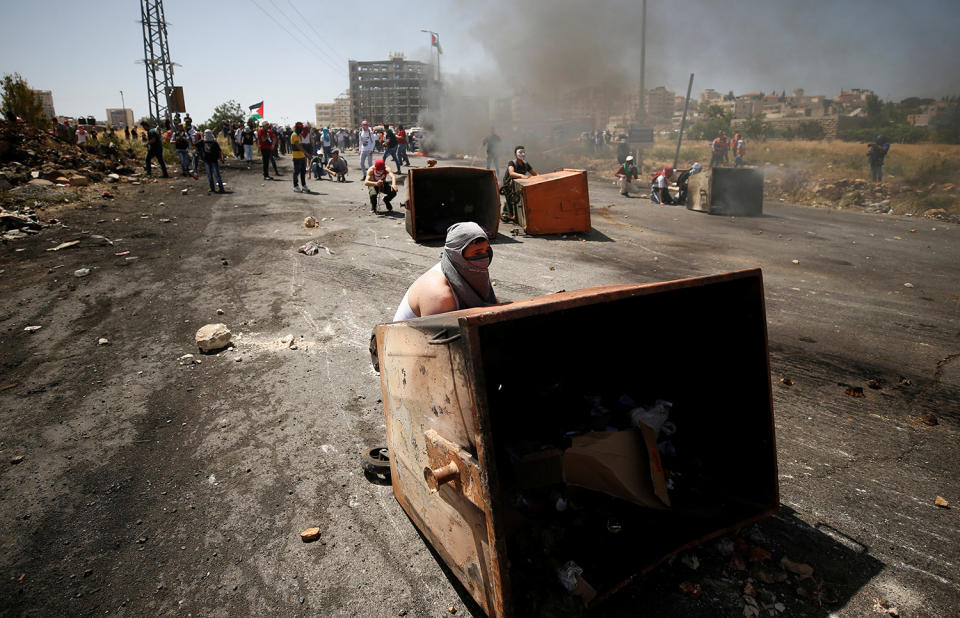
{"x":376,"y":183}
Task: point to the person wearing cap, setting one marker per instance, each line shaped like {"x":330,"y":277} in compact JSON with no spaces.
{"x":626,"y":174}
{"x":518,"y":168}
{"x":460,"y":280}
{"x":683,"y":178}
{"x":212,"y":157}
{"x":299,"y":159}
{"x":660,"y":190}
{"x":337,"y":166}
{"x":366,"y":141}
{"x":376,"y":183}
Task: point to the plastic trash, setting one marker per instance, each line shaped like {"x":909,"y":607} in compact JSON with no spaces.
{"x":653,"y":417}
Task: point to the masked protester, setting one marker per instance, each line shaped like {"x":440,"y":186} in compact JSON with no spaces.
{"x":660,"y":189}
{"x":518,"y":168}
{"x":460,"y":280}
{"x":376,"y":183}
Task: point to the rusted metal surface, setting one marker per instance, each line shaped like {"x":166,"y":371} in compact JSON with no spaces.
{"x":554,"y":203}
{"x":441,"y":441}
{"x":438,"y":197}
{"x":727,"y":191}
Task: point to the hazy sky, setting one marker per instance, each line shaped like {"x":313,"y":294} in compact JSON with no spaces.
{"x":293,"y":54}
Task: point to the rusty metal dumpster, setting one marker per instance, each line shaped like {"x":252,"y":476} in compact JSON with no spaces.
{"x":732,"y":191}
{"x":438,"y":197}
{"x":502,"y":451}
{"x":554,"y":203}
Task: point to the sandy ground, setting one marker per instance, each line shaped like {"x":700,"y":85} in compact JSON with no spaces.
{"x":150,"y":488}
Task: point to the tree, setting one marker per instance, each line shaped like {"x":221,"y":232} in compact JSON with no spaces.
{"x":874,"y":106}
{"x":229,"y":111}
{"x":20,"y":100}
{"x":754,"y":127}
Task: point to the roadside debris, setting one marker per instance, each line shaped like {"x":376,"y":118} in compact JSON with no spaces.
{"x":81,"y":272}
{"x":875,"y":383}
{"x":103,"y":341}
{"x":213,"y":337}
{"x":942,"y":502}
{"x":787,"y":382}
{"x":16,"y":459}
{"x":928,"y":419}
{"x":65,"y":245}
{"x":188,"y":359}
{"x":32,"y":329}
{"x":694,"y":591}
{"x":796,"y":261}
{"x":312,"y":248}
{"x":882,"y":606}
{"x":797,"y":568}
{"x":908,"y":285}
{"x":310,"y":222}
{"x":310,"y":535}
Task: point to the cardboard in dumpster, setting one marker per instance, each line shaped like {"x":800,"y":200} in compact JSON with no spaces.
{"x":623,"y":464}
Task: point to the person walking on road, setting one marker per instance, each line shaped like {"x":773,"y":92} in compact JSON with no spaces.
{"x":492,"y":145}
{"x":154,"y":149}
{"x":402,"y":146}
{"x":376,"y":183}
{"x":181,"y":142}
{"x":212,"y":157}
{"x":390,"y":139}
{"x":367,"y":141}
{"x":247,"y":138}
{"x":265,"y":143}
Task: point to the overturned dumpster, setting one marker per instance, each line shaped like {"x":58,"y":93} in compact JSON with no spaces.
{"x":731,"y":191}
{"x":553,"y":449}
{"x":554,"y":203}
{"x":438,"y":197}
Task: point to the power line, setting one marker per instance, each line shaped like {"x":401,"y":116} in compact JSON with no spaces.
{"x":292,"y":36}
{"x":320,"y":36}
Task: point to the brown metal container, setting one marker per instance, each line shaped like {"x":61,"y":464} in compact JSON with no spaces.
{"x":554,"y":203}
{"x":478,"y":403}
{"x":731,"y":191}
{"x":438,"y":197}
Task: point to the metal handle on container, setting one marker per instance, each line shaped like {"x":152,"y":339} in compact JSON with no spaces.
{"x":440,"y":476}
{"x":439,"y":338}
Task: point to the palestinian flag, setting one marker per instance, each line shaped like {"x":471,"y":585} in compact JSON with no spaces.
{"x":435,"y":42}
{"x":257,"y":109}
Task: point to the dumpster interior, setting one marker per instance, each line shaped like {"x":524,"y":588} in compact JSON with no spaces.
{"x":689,"y":364}
{"x":443,"y":196}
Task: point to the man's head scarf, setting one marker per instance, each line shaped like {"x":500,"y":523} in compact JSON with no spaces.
{"x":469,"y":278}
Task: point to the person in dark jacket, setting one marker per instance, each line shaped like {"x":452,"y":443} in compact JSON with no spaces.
{"x":212,"y":156}
{"x":876,"y":153}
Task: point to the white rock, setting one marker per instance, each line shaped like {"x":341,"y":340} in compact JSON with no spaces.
{"x":212,"y":337}
{"x":103,"y":341}
{"x":81,"y":272}
{"x":187,"y":359}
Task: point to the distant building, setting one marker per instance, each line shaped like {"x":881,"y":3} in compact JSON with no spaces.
{"x":341,"y":111}
{"x":46,"y":100}
{"x":120,"y":117}
{"x":710,"y":97}
{"x":747,"y":105}
{"x":850,"y":99}
{"x":659,"y":105}
{"x":325,"y":113}
{"x":394,"y":91}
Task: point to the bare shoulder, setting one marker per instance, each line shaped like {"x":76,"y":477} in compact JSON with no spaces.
{"x":431,"y":294}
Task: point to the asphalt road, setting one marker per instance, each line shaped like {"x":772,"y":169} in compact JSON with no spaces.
{"x":151,"y":488}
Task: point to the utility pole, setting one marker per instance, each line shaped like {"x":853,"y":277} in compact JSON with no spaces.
{"x":156,"y":59}
{"x":683,"y":122}
{"x":123,"y":106}
{"x":643,"y":66}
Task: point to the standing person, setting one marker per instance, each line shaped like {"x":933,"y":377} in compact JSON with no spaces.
{"x":402,"y":146}
{"x":716,"y":150}
{"x":518,"y":168}
{"x":492,"y":144}
{"x":326,"y":143}
{"x":181,"y":142}
{"x":154,"y":148}
{"x":367,"y":140}
{"x":337,"y":166}
{"x":299,"y":161}
{"x":197,"y":138}
{"x":212,"y":157}
{"x":126,"y":132}
{"x":660,"y":189}
{"x":247,"y":137}
{"x":376,"y":183}
{"x":876,"y":153}
{"x":725,"y":147}
{"x":81,"y":136}
{"x":626,"y":174}
{"x":683,"y":179}
{"x":390,"y":140}
{"x":265,"y":144}
{"x":739,"y":149}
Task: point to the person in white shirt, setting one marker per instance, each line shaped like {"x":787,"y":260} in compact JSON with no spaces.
{"x":367,"y":143}
{"x":81,"y":135}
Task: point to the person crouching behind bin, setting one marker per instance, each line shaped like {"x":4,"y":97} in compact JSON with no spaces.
{"x":626,"y":174}
{"x":376,"y":183}
{"x":518,"y":168}
{"x":683,"y":178}
{"x":460,"y":280}
{"x":659,"y":191}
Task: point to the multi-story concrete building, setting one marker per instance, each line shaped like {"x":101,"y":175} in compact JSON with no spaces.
{"x":46,"y":99}
{"x":659,"y":105}
{"x":119,"y":117}
{"x":394,"y":91}
{"x":325,"y":113}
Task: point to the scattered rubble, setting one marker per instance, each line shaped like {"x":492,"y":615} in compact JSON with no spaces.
{"x":942,"y":502}
{"x":310,"y":222}
{"x":32,"y":329}
{"x":81,"y":272}
{"x":213,"y":337}
{"x":103,"y":341}
{"x":188,"y":359}
{"x":310,"y":534}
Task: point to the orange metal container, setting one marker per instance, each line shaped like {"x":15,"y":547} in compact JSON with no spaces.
{"x":462,"y":391}
{"x":554,"y":203}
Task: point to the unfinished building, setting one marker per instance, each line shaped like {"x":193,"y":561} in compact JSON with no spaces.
{"x":393,"y":91}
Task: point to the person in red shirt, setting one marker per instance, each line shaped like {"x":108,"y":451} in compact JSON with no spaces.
{"x":267,"y":141}
{"x":402,"y":146}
